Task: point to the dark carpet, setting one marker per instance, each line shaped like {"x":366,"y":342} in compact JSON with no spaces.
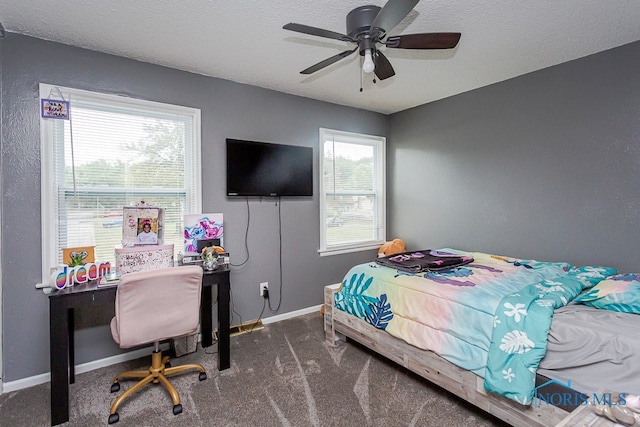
{"x":282,"y":375}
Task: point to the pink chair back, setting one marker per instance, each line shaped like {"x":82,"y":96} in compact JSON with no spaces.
{"x":156,"y":305}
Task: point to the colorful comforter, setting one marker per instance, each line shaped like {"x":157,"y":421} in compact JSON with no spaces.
{"x":453,"y":312}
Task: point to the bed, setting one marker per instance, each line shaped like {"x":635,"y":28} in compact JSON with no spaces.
{"x":490,"y":330}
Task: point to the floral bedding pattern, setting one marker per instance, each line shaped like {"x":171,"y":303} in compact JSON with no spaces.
{"x":453,"y":312}
{"x":520,"y":328}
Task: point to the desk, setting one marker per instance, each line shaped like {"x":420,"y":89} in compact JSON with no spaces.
{"x":61,"y":330}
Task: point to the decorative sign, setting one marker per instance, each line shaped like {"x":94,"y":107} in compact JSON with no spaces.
{"x":66,"y":276}
{"x":143,"y":258}
{"x":54,"y":109}
{"x":78,"y":256}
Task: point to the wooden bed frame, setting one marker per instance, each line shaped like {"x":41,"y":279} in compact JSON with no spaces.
{"x":434,"y":368}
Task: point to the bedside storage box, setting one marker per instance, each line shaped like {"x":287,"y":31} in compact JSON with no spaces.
{"x":184,"y":345}
{"x":142,"y":258}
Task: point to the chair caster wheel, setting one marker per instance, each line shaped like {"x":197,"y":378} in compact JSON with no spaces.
{"x":114,"y":418}
{"x":115,"y":387}
{"x":177,"y":409}
{"x":167,"y":365}
{"x":202,"y":376}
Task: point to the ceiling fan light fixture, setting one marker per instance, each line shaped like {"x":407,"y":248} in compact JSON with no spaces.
{"x":368,"y":66}
{"x":367,"y":26}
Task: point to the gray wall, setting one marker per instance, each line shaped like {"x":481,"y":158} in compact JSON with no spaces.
{"x":543,"y":166}
{"x":228,"y":110}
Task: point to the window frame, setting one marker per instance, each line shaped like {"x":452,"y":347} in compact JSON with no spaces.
{"x":48,"y":183}
{"x":379,"y":145}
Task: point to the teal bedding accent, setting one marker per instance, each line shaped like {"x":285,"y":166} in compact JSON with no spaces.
{"x":448,"y":312}
{"x":620,"y":292}
{"x":521,"y":325}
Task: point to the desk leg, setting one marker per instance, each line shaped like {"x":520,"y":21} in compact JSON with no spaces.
{"x":224,"y":342}
{"x":206,"y":323}
{"x":59,"y":361}
{"x":72,"y":345}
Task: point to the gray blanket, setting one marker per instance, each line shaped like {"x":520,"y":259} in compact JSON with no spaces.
{"x":594,"y":349}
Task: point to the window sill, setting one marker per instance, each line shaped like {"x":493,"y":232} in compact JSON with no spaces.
{"x":346,"y":250}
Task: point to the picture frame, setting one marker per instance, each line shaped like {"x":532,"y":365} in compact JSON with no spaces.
{"x":200,"y":227}
{"x":134,"y":221}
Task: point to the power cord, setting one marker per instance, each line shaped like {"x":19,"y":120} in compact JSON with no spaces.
{"x":233,"y":312}
{"x":233,"y":308}
{"x":264,"y":305}
{"x":246,"y":237}
{"x":212,"y":352}
{"x":266,"y":296}
{"x":279,"y":204}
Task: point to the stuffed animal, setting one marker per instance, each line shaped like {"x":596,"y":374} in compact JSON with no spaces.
{"x":391,"y":248}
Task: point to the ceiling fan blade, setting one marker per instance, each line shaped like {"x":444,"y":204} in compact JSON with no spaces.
{"x":391,"y":14}
{"x":306,"y":29}
{"x":383,"y":68}
{"x":322,"y":64}
{"x":424,"y":41}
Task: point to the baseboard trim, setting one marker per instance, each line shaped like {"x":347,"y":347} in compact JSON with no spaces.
{"x":131,"y":355}
{"x":291,"y":314}
{"x":81,"y":368}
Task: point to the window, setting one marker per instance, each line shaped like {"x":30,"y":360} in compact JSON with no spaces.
{"x":114,"y":152}
{"x":352,"y":192}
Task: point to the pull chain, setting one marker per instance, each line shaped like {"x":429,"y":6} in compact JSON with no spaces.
{"x":361,"y":74}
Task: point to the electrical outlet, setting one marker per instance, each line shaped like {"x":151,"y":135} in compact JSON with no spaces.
{"x":264,"y":288}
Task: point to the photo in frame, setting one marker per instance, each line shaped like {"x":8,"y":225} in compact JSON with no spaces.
{"x":147,"y":231}
{"x":142,"y":226}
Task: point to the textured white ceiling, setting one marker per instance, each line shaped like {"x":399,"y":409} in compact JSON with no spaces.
{"x":243,"y":41}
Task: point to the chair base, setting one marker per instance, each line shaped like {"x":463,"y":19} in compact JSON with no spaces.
{"x":157,"y":374}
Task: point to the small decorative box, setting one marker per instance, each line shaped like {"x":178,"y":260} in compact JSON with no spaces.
{"x":142,"y":258}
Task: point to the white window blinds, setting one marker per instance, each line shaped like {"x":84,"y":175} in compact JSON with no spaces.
{"x":352,"y":205}
{"x":115,"y":152}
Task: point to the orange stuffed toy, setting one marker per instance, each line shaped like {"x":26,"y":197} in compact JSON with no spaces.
{"x":391,"y":248}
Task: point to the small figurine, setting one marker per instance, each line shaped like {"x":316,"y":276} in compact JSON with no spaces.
{"x":209,"y":258}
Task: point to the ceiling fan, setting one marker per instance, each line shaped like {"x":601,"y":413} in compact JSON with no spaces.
{"x":367,"y":27}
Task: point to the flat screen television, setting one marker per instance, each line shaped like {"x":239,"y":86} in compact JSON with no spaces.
{"x":267,"y":169}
